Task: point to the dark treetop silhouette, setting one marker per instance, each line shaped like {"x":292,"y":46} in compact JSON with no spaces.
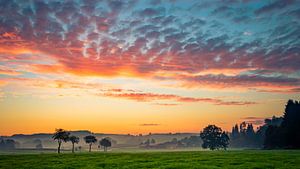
{"x":105,"y":143}
{"x":61,"y":136}
{"x":245,"y":136}
{"x":73,"y":140}
{"x":8,"y":144}
{"x":213,"y":138}
{"x":90,"y":139}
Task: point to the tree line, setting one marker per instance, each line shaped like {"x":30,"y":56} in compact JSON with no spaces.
{"x":287,"y":134}
{"x":62,"y":135}
{"x":277,"y":132}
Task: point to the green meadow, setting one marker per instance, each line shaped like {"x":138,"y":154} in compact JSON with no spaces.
{"x":242,"y":159}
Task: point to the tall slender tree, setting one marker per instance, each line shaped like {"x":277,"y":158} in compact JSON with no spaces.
{"x":74,"y":140}
{"x":235,"y":132}
{"x":60,"y":135}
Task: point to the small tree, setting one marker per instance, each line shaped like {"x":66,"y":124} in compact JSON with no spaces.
{"x":152,"y":141}
{"x":74,"y":140}
{"x":105,"y":143}
{"x":90,"y":140}
{"x":60,"y":135}
{"x":213,"y":138}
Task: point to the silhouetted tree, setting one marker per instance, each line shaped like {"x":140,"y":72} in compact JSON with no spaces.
{"x":105,"y":143}
{"x":243,"y":128}
{"x":291,"y":124}
{"x":245,"y":136}
{"x":235,"y":132}
{"x":250,"y":131}
{"x":74,"y":140}
{"x":60,"y":135}
{"x":213,"y":138}
{"x":274,"y":121}
{"x":8,"y":144}
{"x":2,"y":143}
{"x":152,"y":141}
{"x":261,"y":132}
{"x":287,"y":134}
{"x":273,"y":137}
{"x":90,"y":140}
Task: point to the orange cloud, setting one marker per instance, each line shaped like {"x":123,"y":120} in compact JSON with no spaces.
{"x":258,"y":83}
{"x":9,"y":72}
{"x":149,"y":97}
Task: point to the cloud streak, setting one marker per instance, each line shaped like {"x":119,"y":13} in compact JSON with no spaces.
{"x":255,"y":120}
{"x":150,"y":97}
{"x":149,"y":124}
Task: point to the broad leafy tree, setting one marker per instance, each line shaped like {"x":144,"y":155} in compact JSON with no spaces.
{"x":60,"y":135}
{"x":105,"y":143}
{"x":214,"y":138}
{"x":90,"y":139}
{"x":74,"y":140}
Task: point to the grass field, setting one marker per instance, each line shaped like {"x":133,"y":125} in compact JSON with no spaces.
{"x":202,"y":159}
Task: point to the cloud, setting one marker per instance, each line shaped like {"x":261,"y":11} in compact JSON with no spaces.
{"x":9,"y":72}
{"x":246,"y":33}
{"x":166,"y":104}
{"x":149,"y":124}
{"x":149,"y":97}
{"x":278,"y":4}
{"x":148,"y":40}
{"x":243,"y":81}
{"x":254,"y":120}
{"x":152,"y":12}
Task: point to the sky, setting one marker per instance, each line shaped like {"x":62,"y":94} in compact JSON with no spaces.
{"x":140,"y":66}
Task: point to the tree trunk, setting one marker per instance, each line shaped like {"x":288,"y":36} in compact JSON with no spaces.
{"x":90,"y":147}
{"x":58,"y":148}
{"x":72,"y":147}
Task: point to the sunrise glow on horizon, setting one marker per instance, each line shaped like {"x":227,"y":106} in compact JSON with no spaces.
{"x":141,"y":66}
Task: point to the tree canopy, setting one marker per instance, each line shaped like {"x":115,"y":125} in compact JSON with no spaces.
{"x":105,"y":142}
{"x":214,"y":138}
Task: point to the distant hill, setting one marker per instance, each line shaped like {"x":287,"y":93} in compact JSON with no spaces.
{"x":121,"y":140}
